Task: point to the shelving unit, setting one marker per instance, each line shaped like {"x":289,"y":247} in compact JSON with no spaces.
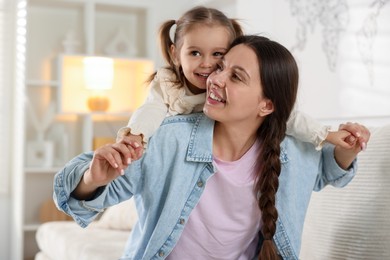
{"x":91,"y":25}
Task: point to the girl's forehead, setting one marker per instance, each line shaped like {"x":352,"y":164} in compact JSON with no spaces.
{"x":212,"y":36}
{"x":209,"y":27}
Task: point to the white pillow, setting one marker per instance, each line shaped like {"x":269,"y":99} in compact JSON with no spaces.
{"x":353,"y":222}
{"x":121,"y":216}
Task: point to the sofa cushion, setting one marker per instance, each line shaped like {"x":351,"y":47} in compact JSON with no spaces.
{"x":64,"y":240}
{"x":120,"y":217}
{"x":353,"y":222}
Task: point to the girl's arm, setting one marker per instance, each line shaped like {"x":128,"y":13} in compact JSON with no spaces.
{"x":306,"y":129}
{"x":148,"y":117}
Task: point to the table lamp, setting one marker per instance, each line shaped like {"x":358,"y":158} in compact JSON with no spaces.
{"x":95,"y":85}
{"x":98,"y":77}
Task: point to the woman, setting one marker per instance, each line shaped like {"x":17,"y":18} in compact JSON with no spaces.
{"x":226,"y":184}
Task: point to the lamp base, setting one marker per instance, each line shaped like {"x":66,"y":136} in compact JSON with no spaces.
{"x":98,"y":103}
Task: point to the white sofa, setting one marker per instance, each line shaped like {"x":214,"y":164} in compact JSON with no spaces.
{"x":103,"y":239}
{"x":349,"y":223}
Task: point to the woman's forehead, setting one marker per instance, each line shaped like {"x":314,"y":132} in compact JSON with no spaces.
{"x":244,"y":57}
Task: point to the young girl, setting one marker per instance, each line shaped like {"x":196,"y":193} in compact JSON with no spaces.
{"x":201,"y":38}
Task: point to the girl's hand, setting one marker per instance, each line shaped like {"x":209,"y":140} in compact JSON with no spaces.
{"x":357,"y":140}
{"x":350,"y":135}
{"x":360,"y":135}
{"x":136,"y":147}
{"x":136,"y":142}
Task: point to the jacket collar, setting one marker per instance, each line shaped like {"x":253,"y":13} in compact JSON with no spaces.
{"x":201,"y":140}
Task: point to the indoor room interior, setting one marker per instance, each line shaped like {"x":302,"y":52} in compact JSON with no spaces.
{"x":66,"y":68}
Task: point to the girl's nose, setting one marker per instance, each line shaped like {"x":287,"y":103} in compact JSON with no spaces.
{"x":207,"y":62}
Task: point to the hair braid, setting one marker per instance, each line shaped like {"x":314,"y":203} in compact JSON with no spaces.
{"x":267,"y":185}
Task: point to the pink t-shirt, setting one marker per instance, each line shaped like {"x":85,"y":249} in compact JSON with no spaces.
{"x":226,"y":221}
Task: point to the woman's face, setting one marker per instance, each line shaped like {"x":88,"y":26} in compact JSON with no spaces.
{"x":234,"y":91}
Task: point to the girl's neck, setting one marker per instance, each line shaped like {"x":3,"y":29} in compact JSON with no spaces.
{"x":231,"y":143}
{"x":193,"y":89}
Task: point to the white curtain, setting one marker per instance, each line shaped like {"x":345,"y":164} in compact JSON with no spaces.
{"x":5,"y":93}
{"x":12,"y":96}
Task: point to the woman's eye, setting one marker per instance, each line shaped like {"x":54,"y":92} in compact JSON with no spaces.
{"x":218,"y":68}
{"x":236,"y":77}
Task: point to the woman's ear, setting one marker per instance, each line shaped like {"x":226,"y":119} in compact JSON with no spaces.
{"x":266,"y":107}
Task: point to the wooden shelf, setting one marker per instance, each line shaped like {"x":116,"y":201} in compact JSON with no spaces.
{"x":38,"y":170}
{"x":42,"y":83}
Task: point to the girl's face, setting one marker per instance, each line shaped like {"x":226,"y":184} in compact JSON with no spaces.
{"x":234,"y":91}
{"x":202,"y":47}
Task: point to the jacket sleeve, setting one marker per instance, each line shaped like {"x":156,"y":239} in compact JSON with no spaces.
{"x":148,"y":117}
{"x":330,"y":173}
{"x":83,"y":211}
{"x":306,"y":129}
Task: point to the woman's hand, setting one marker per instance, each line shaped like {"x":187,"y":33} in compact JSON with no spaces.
{"x":108,"y":163}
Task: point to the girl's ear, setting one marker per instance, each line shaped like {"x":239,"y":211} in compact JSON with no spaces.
{"x":173,"y":51}
{"x":266,"y":107}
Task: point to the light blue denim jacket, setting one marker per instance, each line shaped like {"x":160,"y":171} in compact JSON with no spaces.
{"x":169,"y":179}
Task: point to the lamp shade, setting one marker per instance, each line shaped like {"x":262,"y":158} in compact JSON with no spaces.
{"x":127,"y":91}
{"x":98,"y":73}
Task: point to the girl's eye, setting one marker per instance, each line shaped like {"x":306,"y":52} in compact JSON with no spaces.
{"x":218,"y":54}
{"x":195,"y":53}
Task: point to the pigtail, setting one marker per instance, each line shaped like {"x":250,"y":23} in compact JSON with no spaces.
{"x":237,"y":28}
{"x":166,"y":42}
{"x":165,"y":46}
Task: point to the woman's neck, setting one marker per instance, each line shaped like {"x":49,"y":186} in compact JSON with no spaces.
{"x":231,"y":143}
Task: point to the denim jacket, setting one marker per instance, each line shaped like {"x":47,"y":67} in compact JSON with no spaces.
{"x":169,"y":179}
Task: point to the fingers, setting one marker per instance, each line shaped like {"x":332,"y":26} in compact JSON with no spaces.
{"x":360,"y":132}
{"x":136,"y":144}
{"x":118,"y":155}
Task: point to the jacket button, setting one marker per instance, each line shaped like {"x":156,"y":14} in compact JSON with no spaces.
{"x":161,"y":254}
{"x":182,"y":221}
{"x":200,"y":184}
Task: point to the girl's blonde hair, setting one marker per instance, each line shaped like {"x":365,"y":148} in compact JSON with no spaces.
{"x":195,"y":16}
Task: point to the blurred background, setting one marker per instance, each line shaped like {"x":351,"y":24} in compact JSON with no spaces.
{"x":51,"y":110}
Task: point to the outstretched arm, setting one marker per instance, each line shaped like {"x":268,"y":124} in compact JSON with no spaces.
{"x":307,"y":129}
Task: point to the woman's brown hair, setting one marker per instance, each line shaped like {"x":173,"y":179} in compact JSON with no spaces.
{"x":199,"y":15}
{"x":279,"y":81}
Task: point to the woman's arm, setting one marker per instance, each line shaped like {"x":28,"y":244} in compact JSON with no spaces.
{"x":108,"y":163}
{"x":91,"y":182}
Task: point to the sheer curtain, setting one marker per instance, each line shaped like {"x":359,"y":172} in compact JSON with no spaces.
{"x":5,"y":93}
{"x":12,"y":96}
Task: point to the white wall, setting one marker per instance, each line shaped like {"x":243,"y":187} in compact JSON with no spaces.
{"x":345,"y":92}
{"x":356,"y":84}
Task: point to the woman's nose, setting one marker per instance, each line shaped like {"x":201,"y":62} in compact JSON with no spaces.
{"x":217,"y":80}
